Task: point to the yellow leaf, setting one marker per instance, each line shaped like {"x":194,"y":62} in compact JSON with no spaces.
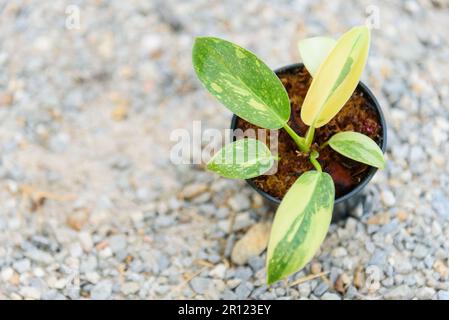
{"x":336,"y":78}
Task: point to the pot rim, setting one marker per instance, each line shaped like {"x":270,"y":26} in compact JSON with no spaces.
{"x":383,"y":143}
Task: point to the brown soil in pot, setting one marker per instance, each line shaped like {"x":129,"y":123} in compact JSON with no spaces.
{"x":357,"y":115}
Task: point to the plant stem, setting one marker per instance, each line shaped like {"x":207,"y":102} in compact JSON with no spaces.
{"x":300,"y":141}
{"x":324,"y":145}
{"x":313,"y":156}
{"x":309,"y":136}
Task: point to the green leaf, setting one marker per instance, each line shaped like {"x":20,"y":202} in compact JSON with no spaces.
{"x":242,"y":159}
{"x":358,"y":147}
{"x":242,"y":82}
{"x":337,"y":77}
{"x":314,"y":51}
{"x":300,"y":224}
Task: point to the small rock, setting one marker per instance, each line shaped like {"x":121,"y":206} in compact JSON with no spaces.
{"x":53,"y":295}
{"x":242,"y":220}
{"x":6,"y":99}
{"x":379,"y":219}
{"x":436,"y":229}
{"x":441,"y":268}
{"x":351,"y":292}
{"x":117,"y":242}
{"x":420,"y":251}
{"x":75,"y":250}
{"x":412,"y":6}
{"x":92,"y":277}
{"x":417,"y":154}
{"x":359,"y":278}
{"x":239,"y":202}
{"x":218,"y":271}
{"x":388,"y":198}
{"x":22,"y":266}
{"x":30,"y":293}
{"x":440,"y":204}
{"x":200,"y":285}
{"x":443,"y":295}
{"x":243,"y":273}
{"x":428,"y":261}
{"x":321,"y":289}
{"x":89,"y":264}
{"x":378,"y":258}
{"x":6,"y":274}
{"x":425,"y":293}
{"x":304,"y":289}
{"x":330,"y":296}
{"x":342,"y":283}
{"x":401,"y":215}
{"x":39,"y":256}
{"x":151,"y":44}
{"x":388,"y":282}
{"x":339,"y":252}
{"x":129,"y":288}
{"x":403,"y":266}
{"x":193,"y":190}
{"x":77,"y":219}
{"x":120,"y":112}
{"x":243,"y":290}
{"x":252,"y":243}
{"x":86,"y":241}
{"x":402,"y":292}
{"x":102,"y":290}
{"x":232,"y":283}
{"x":257,"y":201}
{"x":256,"y":263}
{"x":316,"y":268}
{"x":228,"y":295}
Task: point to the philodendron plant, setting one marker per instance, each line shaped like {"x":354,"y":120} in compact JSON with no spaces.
{"x":248,"y":87}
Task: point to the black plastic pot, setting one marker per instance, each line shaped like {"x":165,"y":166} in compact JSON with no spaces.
{"x":346,"y":203}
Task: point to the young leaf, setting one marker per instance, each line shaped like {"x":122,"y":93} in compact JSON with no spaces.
{"x":242,"y":82}
{"x":358,"y":147}
{"x":242,"y":159}
{"x":314,"y":51}
{"x":300,"y":224}
{"x":336,"y":78}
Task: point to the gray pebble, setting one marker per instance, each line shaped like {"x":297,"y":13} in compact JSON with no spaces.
{"x":256,"y":263}
{"x":200,"y":284}
{"x":243,"y":273}
{"x":425,"y":293}
{"x":330,"y":296}
{"x":239,"y":202}
{"x":420,"y":251}
{"x":243,"y":290}
{"x":102,"y":290}
{"x":22,"y":266}
{"x":129,"y":288}
{"x":402,"y":292}
{"x":117,"y":242}
{"x":443,"y":295}
{"x":321,"y":289}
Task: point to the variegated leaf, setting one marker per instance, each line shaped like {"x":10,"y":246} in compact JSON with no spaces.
{"x":300,"y":224}
{"x":314,"y":51}
{"x":358,"y":147}
{"x":242,"y":82}
{"x":336,"y":78}
{"x":242,"y":159}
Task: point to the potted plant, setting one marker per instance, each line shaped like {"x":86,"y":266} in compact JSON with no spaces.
{"x":325,"y":151}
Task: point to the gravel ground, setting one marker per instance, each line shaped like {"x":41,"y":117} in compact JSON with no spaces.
{"x":91,"y":206}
